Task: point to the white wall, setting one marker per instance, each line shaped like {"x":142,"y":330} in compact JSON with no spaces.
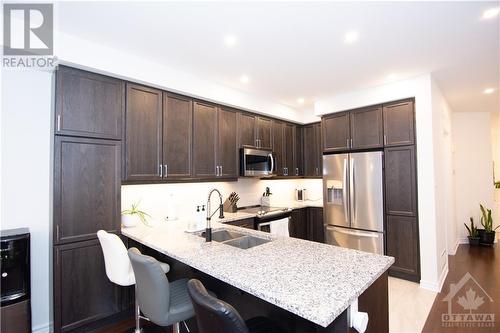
{"x":420,"y":88}
{"x":473,"y":166}
{"x":446,"y":231}
{"x":154,"y":198}
{"x":26,"y":178}
{"x":495,"y":148}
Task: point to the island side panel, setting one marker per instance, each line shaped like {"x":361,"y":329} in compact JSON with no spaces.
{"x":375,"y":301}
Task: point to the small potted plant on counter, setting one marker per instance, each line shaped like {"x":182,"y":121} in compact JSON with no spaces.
{"x":488,"y":235}
{"x":473,"y":233}
{"x":131,"y":217}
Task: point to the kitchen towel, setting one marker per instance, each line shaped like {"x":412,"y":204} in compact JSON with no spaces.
{"x":280,"y":227}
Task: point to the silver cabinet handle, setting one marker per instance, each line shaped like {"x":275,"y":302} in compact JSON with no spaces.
{"x":347,"y":143}
{"x":58,"y":125}
{"x":161,"y":170}
{"x":385,"y":139}
{"x":353,"y":233}
{"x":166,"y":170}
{"x":220,"y":170}
{"x":216,"y":171}
{"x":296,"y":171}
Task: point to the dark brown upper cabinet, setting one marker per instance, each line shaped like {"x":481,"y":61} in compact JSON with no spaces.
{"x":264,"y":132}
{"x":400,"y":181}
{"x":278,"y":146}
{"x":205,"y":140}
{"x":366,"y":128}
{"x":313,"y":158}
{"x":88,"y":104}
{"x":299,"y":152}
{"x":227,"y":152}
{"x":336,"y":132}
{"x":86,"y":188}
{"x":289,"y":149}
{"x":247,"y":130}
{"x":177,"y":136}
{"x":399,"y":121}
{"x":143,"y":137}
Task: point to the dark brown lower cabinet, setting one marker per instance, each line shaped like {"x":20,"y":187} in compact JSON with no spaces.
{"x":82,"y":292}
{"x":307,"y":223}
{"x":245,"y":223}
{"x":402,"y":244}
{"x":298,"y":223}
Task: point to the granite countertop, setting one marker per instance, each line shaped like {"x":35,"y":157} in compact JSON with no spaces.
{"x":312,"y":280}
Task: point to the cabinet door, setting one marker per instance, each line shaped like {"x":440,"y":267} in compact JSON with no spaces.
{"x":247,"y":130}
{"x":177,"y":136}
{"x":264,"y":132}
{"x":82,"y":291}
{"x":88,"y":104}
{"x":402,"y":244}
{"x":316,"y":232}
{"x":299,"y":152}
{"x":366,"y":128}
{"x":399,"y":124}
{"x":310,"y":151}
{"x":298,"y":223}
{"x":289,"y":149}
{"x":278,"y":146}
{"x":205,"y":139}
{"x":143,"y":138}
{"x":319,"y":153}
{"x":86,"y":188}
{"x":246,"y":223}
{"x":336,"y":136}
{"x":400,"y":181}
{"x":227,"y":152}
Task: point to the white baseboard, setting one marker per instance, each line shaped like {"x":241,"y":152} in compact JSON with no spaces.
{"x":455,"y":247}
{"x":43,"y":328}
{"x":435,"y":286}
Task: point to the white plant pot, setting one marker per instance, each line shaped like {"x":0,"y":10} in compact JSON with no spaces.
{"x":130,"y":220}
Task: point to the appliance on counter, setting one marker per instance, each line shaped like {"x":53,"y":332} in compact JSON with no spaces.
{"x":15,"y":287}
{"x":257,"y":162}
{"x":300,"y":194}
{"x":274,"y":220}
{"x":353,"y":201}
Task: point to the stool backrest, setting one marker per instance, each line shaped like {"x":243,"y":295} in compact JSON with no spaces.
{"x":118,"y":267}
{"x":153,"y":289}
{"x":212,"y":314}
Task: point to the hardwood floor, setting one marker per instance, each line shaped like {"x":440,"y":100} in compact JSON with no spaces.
{"x":472,"y":295}
{"x":127,"y":326}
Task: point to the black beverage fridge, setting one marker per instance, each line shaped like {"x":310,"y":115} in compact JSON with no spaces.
{"x":15,"y":281}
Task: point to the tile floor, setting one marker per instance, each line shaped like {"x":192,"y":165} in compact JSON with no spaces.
{"x":409,"y":306}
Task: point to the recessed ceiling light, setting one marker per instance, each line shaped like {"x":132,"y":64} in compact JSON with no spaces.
{"x":230,"y":40}
{"x":300,"y":100}
{"x":244,"y":79}
{"x":488,"y":91}
{"x":491,"y":13}
{"x":351,"y":36}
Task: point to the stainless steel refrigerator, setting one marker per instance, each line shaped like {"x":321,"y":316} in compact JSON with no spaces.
{"x":354,"y":201}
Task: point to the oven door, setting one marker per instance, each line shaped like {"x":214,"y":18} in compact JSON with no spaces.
{"x":257,"y":163}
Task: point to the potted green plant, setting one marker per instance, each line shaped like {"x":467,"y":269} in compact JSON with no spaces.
{"x":473,"y":233}
{"x":488,"y":236}
{"x":131,"y":217}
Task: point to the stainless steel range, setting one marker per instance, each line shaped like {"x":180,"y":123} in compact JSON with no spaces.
{"x":265,"y":216}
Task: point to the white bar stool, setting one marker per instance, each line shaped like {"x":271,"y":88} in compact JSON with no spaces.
{"x":118,"y":267}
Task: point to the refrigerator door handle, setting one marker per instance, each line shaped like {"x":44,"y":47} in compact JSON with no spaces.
{"x":371,"y":234}
{"x":352,"y":190}
{"x":344,"y":191}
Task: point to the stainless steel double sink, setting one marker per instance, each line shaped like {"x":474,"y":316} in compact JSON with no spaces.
{"x":236,"y":239}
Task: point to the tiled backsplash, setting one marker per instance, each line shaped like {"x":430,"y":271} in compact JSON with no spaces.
{"x":154,"y":199}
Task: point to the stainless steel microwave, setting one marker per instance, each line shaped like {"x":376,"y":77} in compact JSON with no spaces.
{"x":257,"y":163}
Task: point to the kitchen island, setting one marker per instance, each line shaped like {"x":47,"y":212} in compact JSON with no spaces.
{"x":316,"y":282}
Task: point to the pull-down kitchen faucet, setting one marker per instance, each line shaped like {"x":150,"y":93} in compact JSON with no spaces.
{"x":208,"y":230}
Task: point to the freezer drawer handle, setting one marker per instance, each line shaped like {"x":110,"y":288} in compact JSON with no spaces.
{"x":354,"y":233}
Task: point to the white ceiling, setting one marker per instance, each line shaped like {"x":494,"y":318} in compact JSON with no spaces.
{"x":297,"y":49}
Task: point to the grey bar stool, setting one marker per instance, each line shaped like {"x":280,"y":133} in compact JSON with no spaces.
{"x":164,"y":303}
